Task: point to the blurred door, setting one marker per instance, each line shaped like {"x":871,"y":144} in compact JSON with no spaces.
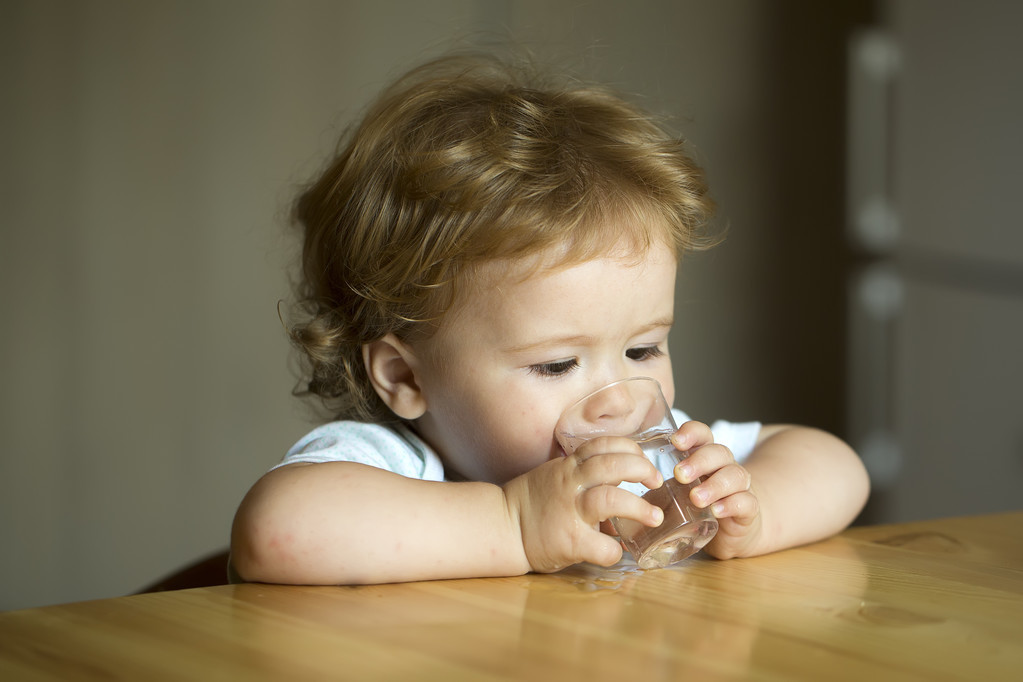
{"x":938,"y":309}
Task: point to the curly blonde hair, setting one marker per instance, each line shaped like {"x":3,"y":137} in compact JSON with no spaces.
{"x":468,"y":160}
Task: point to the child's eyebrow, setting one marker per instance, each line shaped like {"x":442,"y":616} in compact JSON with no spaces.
{"x":580,"y":339}
{"x":572,"y":340}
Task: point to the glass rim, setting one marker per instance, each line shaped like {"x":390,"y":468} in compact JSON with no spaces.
{"x":619,"y":382}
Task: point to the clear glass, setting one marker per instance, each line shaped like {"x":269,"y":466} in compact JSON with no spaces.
{"x":635,"y":408}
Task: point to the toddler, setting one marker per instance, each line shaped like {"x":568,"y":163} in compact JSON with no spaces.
{"x":485,"y":249}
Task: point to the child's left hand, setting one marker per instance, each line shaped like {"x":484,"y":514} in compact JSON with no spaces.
{"x":727,"y":489}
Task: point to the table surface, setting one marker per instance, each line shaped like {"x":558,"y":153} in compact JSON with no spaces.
{"x":931,"y":600}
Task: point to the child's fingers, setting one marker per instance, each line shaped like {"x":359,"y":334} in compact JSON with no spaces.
{"x":703,"y":462}
{"x":740,"y":507}
{"x":606,"y":445}
{"x":603,"y":502}
{"x":602,"y":550}
{"x":612,"y":468}
{"x":692,"y":435}
{"x":727,"y":480}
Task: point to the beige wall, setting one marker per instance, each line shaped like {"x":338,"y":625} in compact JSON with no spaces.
{"x":149,"y":151}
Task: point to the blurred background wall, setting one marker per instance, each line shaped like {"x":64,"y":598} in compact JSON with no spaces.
{"x":149,"y":152}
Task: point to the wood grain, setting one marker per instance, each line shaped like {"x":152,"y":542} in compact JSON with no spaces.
{"x":935,"y":600}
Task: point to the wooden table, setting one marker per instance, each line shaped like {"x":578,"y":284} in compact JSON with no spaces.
{"x":938,"y":600}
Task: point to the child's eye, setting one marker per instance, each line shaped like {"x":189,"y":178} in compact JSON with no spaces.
{"x":554,"y":369}
{"x":644,"y":353}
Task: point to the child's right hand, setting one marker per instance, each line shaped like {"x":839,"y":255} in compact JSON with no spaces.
{"x":559,"y":505}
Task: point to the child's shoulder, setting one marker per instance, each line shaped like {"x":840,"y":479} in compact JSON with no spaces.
{"x":393,"y":447}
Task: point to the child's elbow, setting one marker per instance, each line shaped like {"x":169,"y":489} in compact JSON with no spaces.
{"x":258,"y":547}
{"x":856,"y":479}
{"x":864,"y":484}
{"x":251,"y":556}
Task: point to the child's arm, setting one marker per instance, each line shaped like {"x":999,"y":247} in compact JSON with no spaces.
{"x":798,"y":485}
{"x":346,"y":523}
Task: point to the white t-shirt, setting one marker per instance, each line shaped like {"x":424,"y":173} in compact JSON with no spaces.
{"x":394,"y":447}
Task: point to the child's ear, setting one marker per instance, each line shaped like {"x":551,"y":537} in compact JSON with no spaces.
{"x":390,"y":365}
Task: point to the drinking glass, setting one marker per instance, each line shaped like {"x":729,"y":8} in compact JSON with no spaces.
{"x":635,"y":408}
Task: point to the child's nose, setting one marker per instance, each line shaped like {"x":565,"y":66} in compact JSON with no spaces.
{"x":610,"y":404}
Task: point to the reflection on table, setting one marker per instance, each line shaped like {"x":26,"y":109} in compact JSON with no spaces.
{"x":930,"y":600}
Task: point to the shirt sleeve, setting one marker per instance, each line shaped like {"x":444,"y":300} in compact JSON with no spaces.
{"x":394,"y":449}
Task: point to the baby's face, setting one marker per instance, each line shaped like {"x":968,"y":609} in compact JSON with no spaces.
{"x":512,"y":356}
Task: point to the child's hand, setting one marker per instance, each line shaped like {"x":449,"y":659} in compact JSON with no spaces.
{"x":727,"y":489}
{"x":560,"y":504}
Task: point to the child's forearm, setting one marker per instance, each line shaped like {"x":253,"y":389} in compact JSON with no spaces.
{"x":344,"y":523}
{"x":810,"y":485}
